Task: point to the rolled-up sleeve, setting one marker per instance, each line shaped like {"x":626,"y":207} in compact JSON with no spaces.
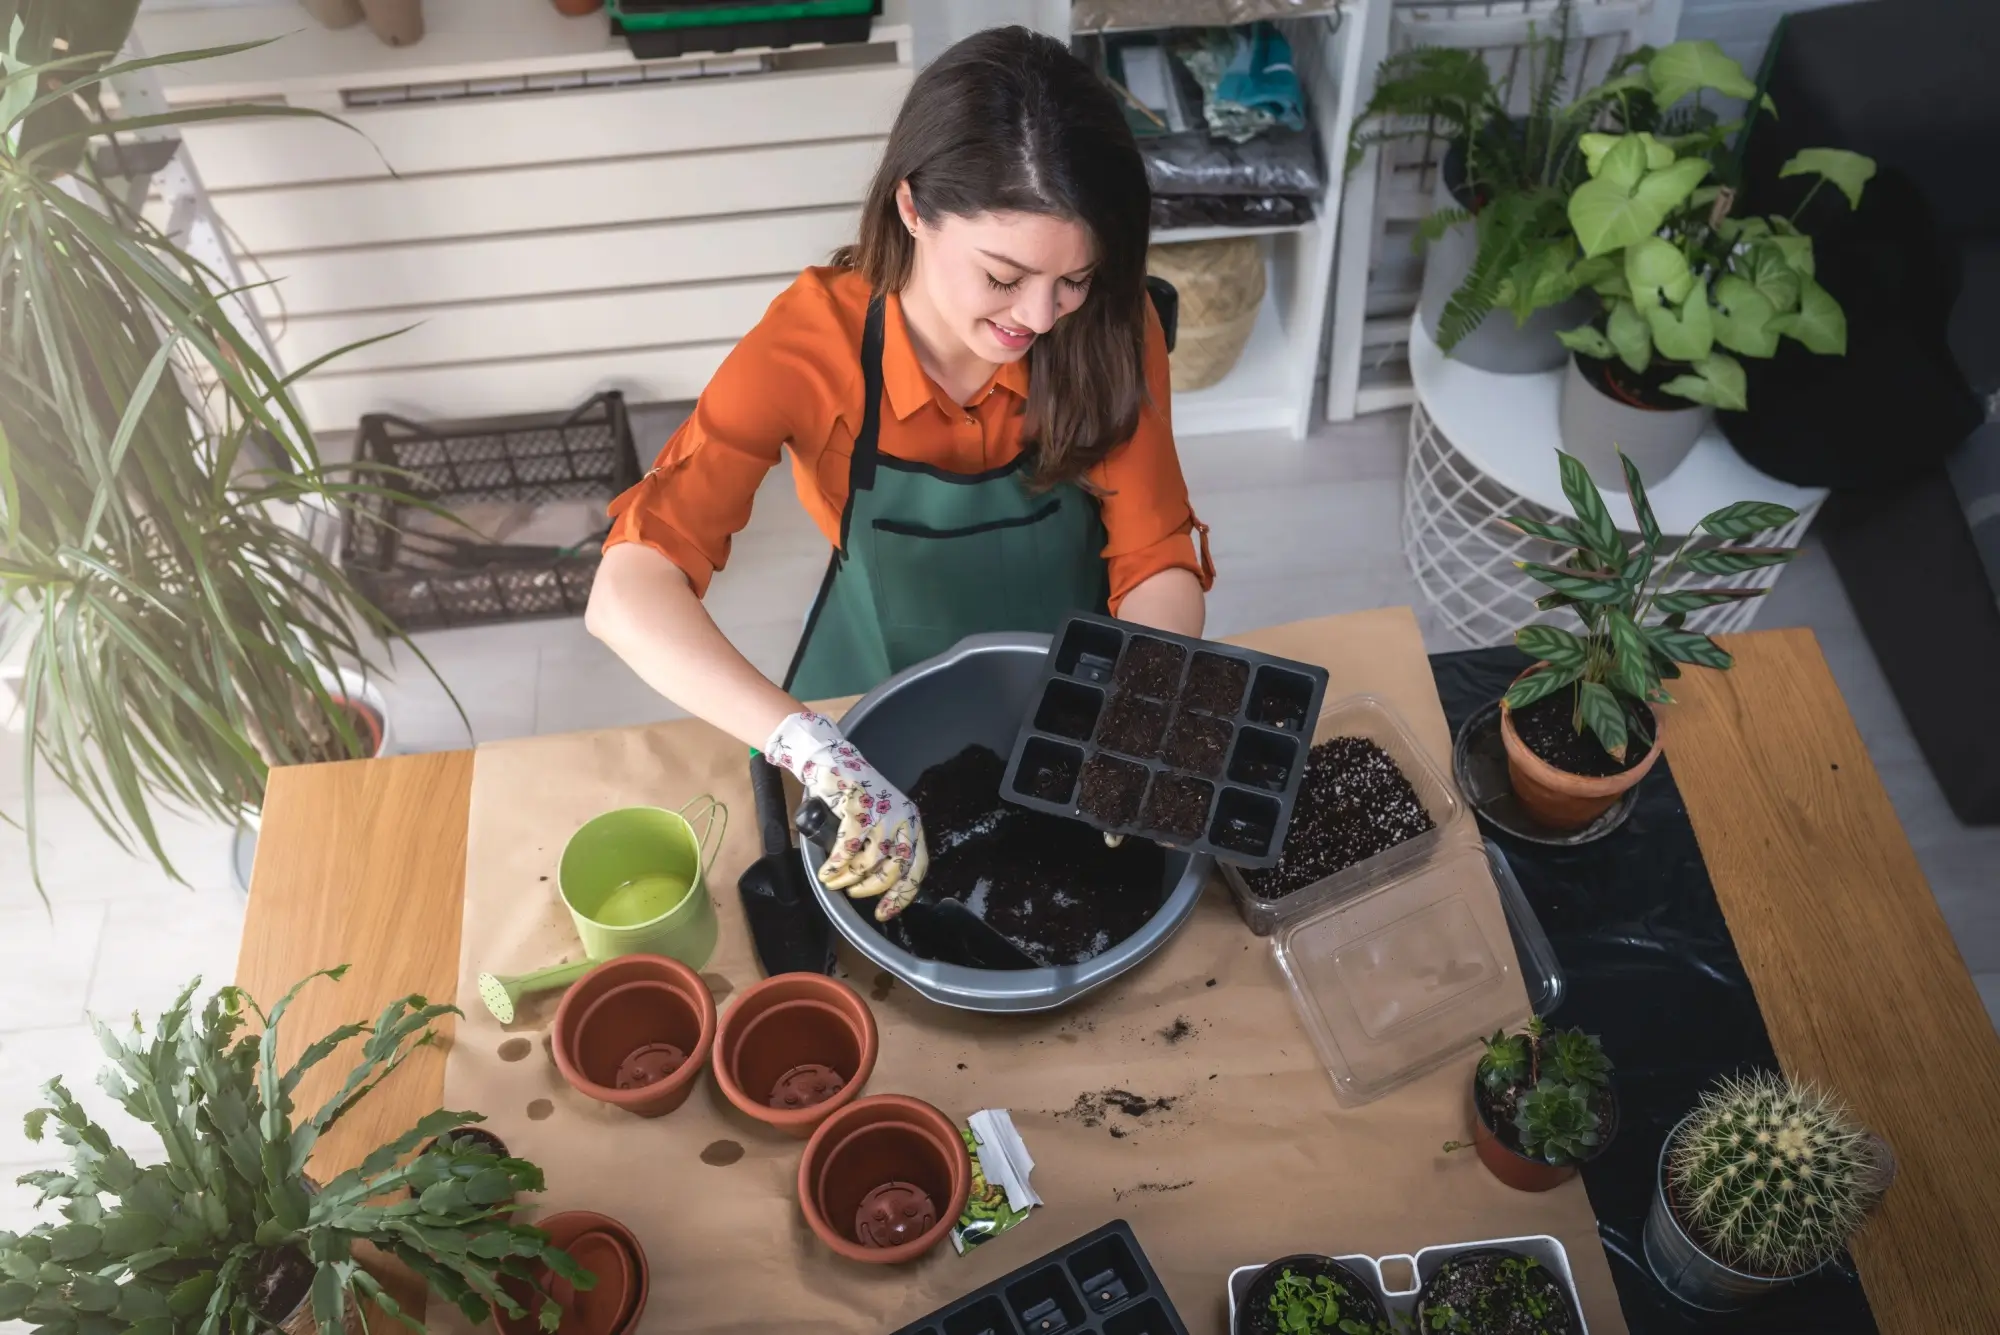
{"x":1149,"y":525}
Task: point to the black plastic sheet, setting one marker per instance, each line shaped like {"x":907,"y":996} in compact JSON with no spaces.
{"x":1650,"y":967}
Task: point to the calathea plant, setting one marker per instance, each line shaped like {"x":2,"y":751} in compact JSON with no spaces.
{"x":228,"y":1236}
{"x":1634,"y":627}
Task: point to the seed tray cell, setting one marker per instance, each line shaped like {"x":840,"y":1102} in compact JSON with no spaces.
{"x":1099,"y":1284}
{"x":1187,"y":742}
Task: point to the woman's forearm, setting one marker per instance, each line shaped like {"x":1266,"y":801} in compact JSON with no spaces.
{"x":1172,"y":600}
{"x":643,"y":608}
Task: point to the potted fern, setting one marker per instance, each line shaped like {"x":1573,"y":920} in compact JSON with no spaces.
{"x":229,"y":1233}
{"x":1762,"y":1184}
{"x":180,"y":632}
{"x":1583,"y":725}
{"x":1542,"y":1106}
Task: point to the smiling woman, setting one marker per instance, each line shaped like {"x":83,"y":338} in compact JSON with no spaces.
{"x":975,"y":395}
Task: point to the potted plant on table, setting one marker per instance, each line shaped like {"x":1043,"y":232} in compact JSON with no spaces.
{"x":1310,"y":1295}
{"x":1494,"y":1292}
{"x":229,"y":1233}
{"x":1686,"y":286}
{"x":1763,"y":1183}
{"x":1583,"y":725}
{"x":1542,"y":1106}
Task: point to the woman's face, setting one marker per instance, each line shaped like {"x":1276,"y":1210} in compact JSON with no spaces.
{"x":999,"y":280}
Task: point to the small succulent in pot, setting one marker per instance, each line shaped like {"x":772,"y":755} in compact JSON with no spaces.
{"x":1542,"y":1105}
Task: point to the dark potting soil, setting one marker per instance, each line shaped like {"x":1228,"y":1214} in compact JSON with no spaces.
{"x":1199,"y":744}
{"x":1151,"y":667}
{"x":1110,"y":791}
{"x":1353,"y":803}
{"x":1056,"y":780}
{"x":1357,"y":1301}
{"x":1215,"y":683}
{"x":1636,"y":389}
{"x":1178,"y":805}
{"x":1495,"y":1293}
{"x":280,"y":1280}
{"x":1133,"y":726}
{"x":1046,"y":883}
{"x":1548,"y":728}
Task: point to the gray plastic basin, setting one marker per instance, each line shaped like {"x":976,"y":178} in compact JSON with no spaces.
{"x":977,"y":693}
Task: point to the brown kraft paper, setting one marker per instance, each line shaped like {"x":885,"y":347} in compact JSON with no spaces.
{"x":1249,"y":1156}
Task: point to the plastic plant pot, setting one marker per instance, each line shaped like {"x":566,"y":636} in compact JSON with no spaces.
{"x":793,"y":1049}
{"x":635,"y":1032}
{"x":1517,"y":1170}
{"x":883,"y":1179}
{"x":617,"y":1301}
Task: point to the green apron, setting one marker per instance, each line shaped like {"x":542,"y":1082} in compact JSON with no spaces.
{"x":927,"y":558}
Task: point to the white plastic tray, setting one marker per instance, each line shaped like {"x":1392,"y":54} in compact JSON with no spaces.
{"x":1403,"y":1302}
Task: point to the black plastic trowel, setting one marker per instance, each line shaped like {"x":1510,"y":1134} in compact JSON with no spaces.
{"x":787,"y":925}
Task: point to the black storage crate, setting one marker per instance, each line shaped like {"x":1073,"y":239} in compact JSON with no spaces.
{"x":586,"y":454}
{"x":1102,"y":707}
{"x":1100,"y":1284}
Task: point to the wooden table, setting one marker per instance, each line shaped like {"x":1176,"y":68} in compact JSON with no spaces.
{"x":1859,"y":981}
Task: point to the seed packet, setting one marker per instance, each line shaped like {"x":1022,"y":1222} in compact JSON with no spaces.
{"x":1001,"y":1196}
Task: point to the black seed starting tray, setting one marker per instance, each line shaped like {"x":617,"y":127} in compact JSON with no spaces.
{"x":1188,"y":742}
{"x":1100,"y":1284}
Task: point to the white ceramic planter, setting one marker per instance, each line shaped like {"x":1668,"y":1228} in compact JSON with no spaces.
{"x":1596,"y":427}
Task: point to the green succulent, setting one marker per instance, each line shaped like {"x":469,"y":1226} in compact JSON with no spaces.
{"x":180,"y":1247}
{"x":1507,"y":1062}
{"x":1557,"y":1123}
{"x":1774,"y":1176}
{"x":1576,"y":1058}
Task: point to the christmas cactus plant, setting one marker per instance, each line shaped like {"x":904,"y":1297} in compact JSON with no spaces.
{"x":229,"y":1235}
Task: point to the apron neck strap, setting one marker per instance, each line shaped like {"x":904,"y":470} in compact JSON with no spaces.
{"x":861,"y":467}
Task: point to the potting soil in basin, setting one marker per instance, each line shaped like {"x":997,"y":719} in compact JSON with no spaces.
{"x":1047,"y":884}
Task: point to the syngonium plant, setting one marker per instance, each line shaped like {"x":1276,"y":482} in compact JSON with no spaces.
{"x":1634,"y":625}
{"x":199,"y":1244}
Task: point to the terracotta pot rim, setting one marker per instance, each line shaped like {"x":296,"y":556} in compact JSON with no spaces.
{"x":1616,"y":1122}
{"x":836,"y":996}
{"x":832,"y":1132}
{"x":659,"y":969}
{"x":1561,"y":780}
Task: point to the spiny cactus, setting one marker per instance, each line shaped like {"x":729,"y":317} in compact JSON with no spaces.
{"x":1774,"y":1175}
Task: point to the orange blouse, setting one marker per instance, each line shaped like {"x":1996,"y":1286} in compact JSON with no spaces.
{"x":796,"y":380}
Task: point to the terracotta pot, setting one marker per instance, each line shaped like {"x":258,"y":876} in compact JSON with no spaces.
{"x":1516,"y":1169}
{"x":613,"y":1306}
{"x":794,"y":1048}
{"x":884,"y":1179}
{"x":577,"y":8}
{"x":1557,"y":798}
{"x":641,"y":1021}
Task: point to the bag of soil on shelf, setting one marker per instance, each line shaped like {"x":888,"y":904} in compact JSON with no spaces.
{"x":1230,"y":211}
{"x":1097,"y":15}
{"x":1277,"y":162}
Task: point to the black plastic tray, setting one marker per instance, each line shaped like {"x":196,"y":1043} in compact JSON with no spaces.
{"x":1270,"y":730}
{"x":1100,"y":1284}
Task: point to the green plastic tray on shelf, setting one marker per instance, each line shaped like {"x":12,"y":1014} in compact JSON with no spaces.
{"x":662,"y":15}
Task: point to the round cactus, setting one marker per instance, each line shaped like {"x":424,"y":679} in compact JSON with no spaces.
{"x":1774,"y":1176}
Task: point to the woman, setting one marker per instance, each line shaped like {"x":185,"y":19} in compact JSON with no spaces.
{"x":975,"y":395}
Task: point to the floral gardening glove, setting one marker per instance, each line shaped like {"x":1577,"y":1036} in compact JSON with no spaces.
{"x":879,"y":848}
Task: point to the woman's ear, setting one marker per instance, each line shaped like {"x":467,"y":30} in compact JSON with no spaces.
{"x":906,"y":207}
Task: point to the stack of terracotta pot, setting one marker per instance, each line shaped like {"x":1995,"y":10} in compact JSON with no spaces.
{"x":882,"y":1179}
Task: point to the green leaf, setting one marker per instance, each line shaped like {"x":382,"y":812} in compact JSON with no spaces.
{"x":1630,"y":335}
{"x":1742,"y":318}
{"x":1736,"y":560}
{"x":1539,"y":685}
{"x":1718,"y":380}
{"x":1765,"y":268}
{"x":1819,"y":323}
{"x":1745,"y":519}
{"x":1631,"y":667}
{"x":1620,"y":159}
{"x":1560,"y":534}
{"x":1588,"y":340}
{"x":1559,"y":648}
{"x":1594,"y":588}
{"x":489,"y":1186}
{"x":1848,"y":171}
{"x":1657,"y":272}
{"x":1607,"y":216}
{"x":1603,"y":716}
{"x":128,"y":1230}
{"x":1693,"y":600}
{"x":93,"y":1293}
{"x":1685,"y":67}
{"x":73,"y":1242}
{"x":1795,"y":250}
{"x":1642,"y":506}
{"x":1593,"y":521}
{"x":1687,"y":646}
{"x":14,"y":1299}
{"x":1687,"y":335}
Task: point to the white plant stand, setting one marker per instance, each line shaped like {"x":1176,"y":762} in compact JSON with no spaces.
{"x":1483,"y":446}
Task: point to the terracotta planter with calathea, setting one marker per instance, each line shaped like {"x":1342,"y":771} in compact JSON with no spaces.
{"x":1542,"y":1106}
{"x":275,"y":1244}
{"x":1687,"y":286}
{"x":1584,"y":724}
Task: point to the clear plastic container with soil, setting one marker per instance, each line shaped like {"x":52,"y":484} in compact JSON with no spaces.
{"x":1395,"y":981}
{"x":1099,"y":1284}
{"x":1188,"y":742}
{"x":1371,"y":803}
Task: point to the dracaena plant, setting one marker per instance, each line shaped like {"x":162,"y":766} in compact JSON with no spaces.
{"x":200,"y":1244}
{"x":1634,"y":624}
{"x":177,"y":625}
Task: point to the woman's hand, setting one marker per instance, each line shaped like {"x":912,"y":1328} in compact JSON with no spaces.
{"x":879,"y":848}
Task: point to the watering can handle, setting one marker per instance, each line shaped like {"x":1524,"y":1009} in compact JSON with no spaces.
{"x":713,"y":829}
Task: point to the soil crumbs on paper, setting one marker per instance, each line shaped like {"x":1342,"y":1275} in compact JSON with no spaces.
{"x":1181,"y":1028}
{"x":1046,"y":883}
{"x":1096,"y":1107}
{"x":1353,"y":803}
{"x":1150,"y":1189}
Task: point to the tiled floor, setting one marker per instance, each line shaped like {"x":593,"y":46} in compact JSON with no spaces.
{"x":1301,"y":529}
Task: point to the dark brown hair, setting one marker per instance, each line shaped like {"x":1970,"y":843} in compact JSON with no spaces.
{"x":1009,"y":121}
